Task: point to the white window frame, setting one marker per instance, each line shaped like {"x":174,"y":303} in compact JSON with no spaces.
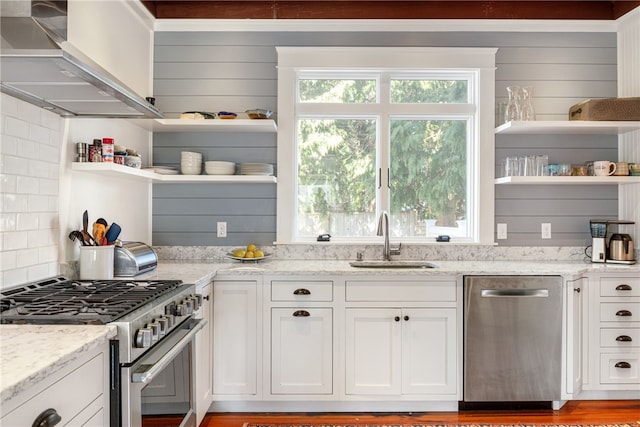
{"x":480,"y":206}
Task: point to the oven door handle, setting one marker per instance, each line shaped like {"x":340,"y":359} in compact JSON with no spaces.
{"x":150,"y":371}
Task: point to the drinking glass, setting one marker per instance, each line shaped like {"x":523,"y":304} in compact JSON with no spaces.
{"x":511,"y":166}
{"x":541,"y":163}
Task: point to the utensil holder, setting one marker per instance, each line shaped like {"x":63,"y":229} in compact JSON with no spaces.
{"x":96,"y":262}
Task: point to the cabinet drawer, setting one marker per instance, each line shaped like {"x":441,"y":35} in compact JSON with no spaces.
{"x":620,"y":287}
{"x":620,"y":337}
{"x":300,"y":290}
{"x":620,"y":312}
{"x":405,"y":290}
{"x":69,"y":396}
{"x":620,"y":368}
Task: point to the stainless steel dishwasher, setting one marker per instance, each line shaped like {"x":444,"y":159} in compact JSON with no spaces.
{"x":512,"y":338}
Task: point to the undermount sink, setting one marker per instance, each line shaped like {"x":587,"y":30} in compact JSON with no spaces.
{"x":392,"y":264}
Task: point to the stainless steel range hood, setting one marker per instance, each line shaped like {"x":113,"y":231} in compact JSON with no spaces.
{"x":38,"y":65}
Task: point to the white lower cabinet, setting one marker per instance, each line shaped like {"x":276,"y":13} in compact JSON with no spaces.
{"x":235,"y":338}
{"x":394,"y":351}
{"x":333,"y":342}
{"x":403,"y":337}
{"x":79,"y":394}
{"x":613,"y":333}
{"x":576,"y":291}
{"x":203,"y":376}
{"x":301,"y":350}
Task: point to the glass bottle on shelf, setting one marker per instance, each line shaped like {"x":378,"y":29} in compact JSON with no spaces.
{"x":526,"y":104}
{"x":512,"y":111}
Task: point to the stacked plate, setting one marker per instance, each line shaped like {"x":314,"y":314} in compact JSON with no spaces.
{"x":165,"y":170}
{"x":256,"y":169}
{"x":219,"y":168}
{"x":190,"y":163}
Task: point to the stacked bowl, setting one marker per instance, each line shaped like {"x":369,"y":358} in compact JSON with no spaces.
{"x":190,"y":163}
{"x":219,"y":168}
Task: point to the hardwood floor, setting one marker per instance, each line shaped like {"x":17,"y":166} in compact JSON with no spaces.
{"x":575,"y":412}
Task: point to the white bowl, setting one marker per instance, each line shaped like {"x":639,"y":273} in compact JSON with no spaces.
{"x":191,"y":171}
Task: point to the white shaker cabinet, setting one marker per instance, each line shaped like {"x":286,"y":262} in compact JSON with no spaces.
{"x":235,"y":338}
{"x":301,"y":351}
{"x":78,"y":394}
{"x":575,"y":295}
{"x":397,"y":351}
{"x":403,"y":337}
{"x":204,"y":358}
{"x":613,"y":350}
{"x":300,"y":336}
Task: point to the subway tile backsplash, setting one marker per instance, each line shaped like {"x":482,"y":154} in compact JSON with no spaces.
{"x":30,"y":147}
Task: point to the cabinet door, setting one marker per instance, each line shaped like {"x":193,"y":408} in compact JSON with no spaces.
{"x":235,"y":337}
{"x":576,"y":289}
{"x":301,"y":350}
{"x":373,"y":339}
{"x":204,"y":364}
{"x":429,"y":356}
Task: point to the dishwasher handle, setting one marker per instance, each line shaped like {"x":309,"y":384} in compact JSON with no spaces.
{"x":498,"y":293}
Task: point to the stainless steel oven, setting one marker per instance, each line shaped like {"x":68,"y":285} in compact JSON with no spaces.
{"x":157,"y":389}
{"x":152,"y":358}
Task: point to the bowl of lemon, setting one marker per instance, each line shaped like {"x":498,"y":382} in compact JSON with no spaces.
{"x":249,"y":253}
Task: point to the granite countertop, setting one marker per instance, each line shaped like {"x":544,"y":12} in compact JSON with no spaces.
{"x":202,"y":271}
{"x":30,"y":353}
{"x":23,"y":363}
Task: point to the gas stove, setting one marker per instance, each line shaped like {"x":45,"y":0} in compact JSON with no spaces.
{"x":144,"y":311}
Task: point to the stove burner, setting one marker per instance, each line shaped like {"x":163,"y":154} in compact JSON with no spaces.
{"x":75,"y":301}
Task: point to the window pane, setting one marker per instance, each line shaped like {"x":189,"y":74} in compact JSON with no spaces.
{"x":407,"y":91}
{"x":428,"y":177}
{"x":336,"y":177}
{"x":346,"y":91}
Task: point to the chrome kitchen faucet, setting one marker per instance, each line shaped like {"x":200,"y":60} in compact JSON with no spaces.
{"x":383,"y":230}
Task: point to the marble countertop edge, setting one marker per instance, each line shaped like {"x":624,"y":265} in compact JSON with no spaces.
{"x":31,"y":353}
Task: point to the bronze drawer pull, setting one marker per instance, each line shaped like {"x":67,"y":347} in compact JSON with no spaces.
{"x":301,"y":313}
{"x":625,"y":365}
{"x":302,"y":291}
{"x":397,"y":318}
{"x":623,"y":313}
{"x":623,"y":288}
{"x":624,"y":338}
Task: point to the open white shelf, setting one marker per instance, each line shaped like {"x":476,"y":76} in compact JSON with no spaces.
{"x":577,"y":180}
{"x":576,"y":127}
{"x":214,"y":125}
{"x":115,"y":169}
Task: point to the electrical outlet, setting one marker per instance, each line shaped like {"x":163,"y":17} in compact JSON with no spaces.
{"x":546,"y":230}
{"x":222,"y":229}
{"x":502,"y":231}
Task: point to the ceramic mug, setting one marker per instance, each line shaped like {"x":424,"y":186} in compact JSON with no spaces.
{"x":604,"y":168}
{"x":622,"y":169}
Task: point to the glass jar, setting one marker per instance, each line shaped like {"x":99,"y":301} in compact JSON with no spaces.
{"x":526,"y":104}
{"x":512,"y":112}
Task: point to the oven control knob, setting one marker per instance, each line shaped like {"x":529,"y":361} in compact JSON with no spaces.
{"x":143,"y":338}
{"x":155,"y":331}
{"x":197,"y":301}
{"x":181,"y":309}
{"x":170,"y":309}
{"x":189,"y":303}
{"x":164,"y":325}
{"x":171,"y":320}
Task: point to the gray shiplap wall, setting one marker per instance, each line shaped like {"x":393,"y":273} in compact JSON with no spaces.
{"x":211,"y":71}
